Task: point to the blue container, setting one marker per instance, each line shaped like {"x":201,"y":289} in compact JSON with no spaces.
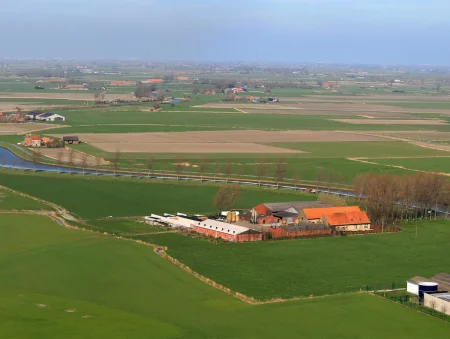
{"x":427,"y":287}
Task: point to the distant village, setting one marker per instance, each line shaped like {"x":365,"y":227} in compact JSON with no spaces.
{"x":266,"y":221}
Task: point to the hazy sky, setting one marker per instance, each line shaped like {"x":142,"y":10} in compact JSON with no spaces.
{"x":349,"y":31}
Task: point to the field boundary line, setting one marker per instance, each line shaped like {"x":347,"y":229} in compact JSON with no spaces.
{"x":240,"y":110}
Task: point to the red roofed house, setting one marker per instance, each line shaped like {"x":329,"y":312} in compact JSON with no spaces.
{"x":34,"y":141}
{"x":347,"y":221}
{"x":315,"y":214}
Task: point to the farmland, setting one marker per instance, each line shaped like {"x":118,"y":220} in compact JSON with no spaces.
{"x":96,"y":197}
{"x":316,"y":267}
{"x":65,"y":282}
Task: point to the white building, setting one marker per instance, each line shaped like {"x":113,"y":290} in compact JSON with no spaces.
{"x":50,"y":117}
{"x":412,"y":285}
{"x":178,"y":221}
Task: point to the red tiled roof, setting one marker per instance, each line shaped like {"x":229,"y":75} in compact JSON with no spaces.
{"x":35,"y":137}
{"x":347,"y":218}
{"x":316,"y":213}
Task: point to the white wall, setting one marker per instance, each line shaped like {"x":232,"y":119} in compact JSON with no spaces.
{"x":412,"y":288}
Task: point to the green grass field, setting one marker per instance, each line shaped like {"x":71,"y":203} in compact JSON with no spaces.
{"x":124,"y":227}
{"x":91,"y":197}
{"x":10,"y":201}
{"x":57,"y":283}
{"x":290,"y":268}
{"x":425,"y":164}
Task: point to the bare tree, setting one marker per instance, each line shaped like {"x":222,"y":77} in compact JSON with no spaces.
{"x":330,"y":180}
{"x":320,"y":176}
{"x":227,"y":169}
{"x":59,"y":158}
{"x":3,"y":161}
{"x":297,"y":176}
{"x":178,"y":165}
{"x":116,"y":161}
{"x":443,"y":309}
{"x":14,"y":163}
{"x":226,"y":197}
{"x":215,"y":170}
{"x":202,"y":166}
{"x":280,"y":170}
{"x":150,"y":163}
{"x":98,"y":161}
{"x":84,"y":162}
{"x":432,"y":304}
{"x":261,"y":169}
{"x":35,"y":157}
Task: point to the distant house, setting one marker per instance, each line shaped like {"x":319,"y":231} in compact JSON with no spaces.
{"x":122,"y":83}
{"x":152,"y":81}
{"x":72,"y":140}
{"x":270,"y":209}
{"x":347,"y":221}
{"x":49,"y":117}
{"x":315,"y":214}
{"x":34,"y":141}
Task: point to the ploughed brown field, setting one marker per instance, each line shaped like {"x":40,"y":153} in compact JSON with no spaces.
{"x":391,"y":122}
{"x":89,"y":96}
{"x":213,"y":142}
{"x":192,"y":147}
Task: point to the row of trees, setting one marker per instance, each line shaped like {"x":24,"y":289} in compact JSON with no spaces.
{"x":390,"y":198}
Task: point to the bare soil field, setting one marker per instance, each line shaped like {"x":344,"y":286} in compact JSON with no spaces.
{"x":241,"y":136}
{"x":54,"y":153}
{"x":191,"y":147}
{"x":375,"y":97}
{"x":22,"y":128}
{"x":11,"y":106}
{"x":391,"y":122}
{"x":332,"y":113}
{"x":89,"y":96}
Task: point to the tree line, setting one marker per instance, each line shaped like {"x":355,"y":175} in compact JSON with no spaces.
{"x":390,"y":198}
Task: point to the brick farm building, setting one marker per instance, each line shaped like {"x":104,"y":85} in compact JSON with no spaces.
{"x":226,"y":231}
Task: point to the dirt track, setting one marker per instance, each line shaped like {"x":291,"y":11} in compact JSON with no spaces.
{"x":83,"y":95}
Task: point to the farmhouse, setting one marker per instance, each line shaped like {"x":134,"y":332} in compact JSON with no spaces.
{"x":315,"y":214}
{"x":152,"y":81}
{"x":226,"y":231}
{"x":347,"y":221}
{"x":72,"y":140}
{"x":33,"y":141}
{"x":48,"y":117}
{"x":270,"y":209}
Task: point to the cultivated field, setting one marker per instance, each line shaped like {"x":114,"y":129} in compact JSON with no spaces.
{"x":92,"y":197}
{"x":64,"y":282}
{"x":307,"y":267}
{"x":392,"y":122}
{"x":23,"y":128}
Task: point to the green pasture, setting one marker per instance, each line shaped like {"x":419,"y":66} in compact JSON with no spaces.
{"x":94,"y":197}
{"x":421,"y":164}
{"x":124,"y":226}
{"x":289,"y":268}
{"x":59,"y":283}
{"x":181,"y":116}
{"x":11,"y":201}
